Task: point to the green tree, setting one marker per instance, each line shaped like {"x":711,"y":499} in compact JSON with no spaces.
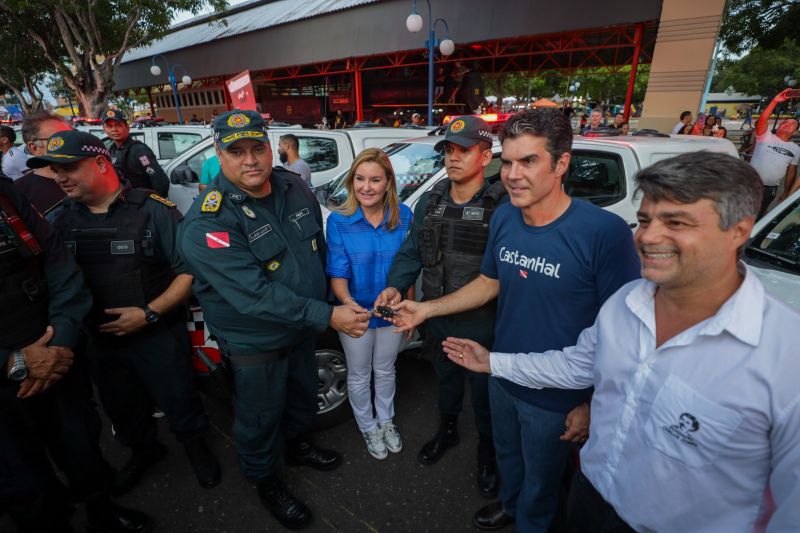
{"x":84,"y":41}
{"x":602,"y":84}
{"x":761,"y":71}
{"x":767,"y":23}
{"x":21,"y":69}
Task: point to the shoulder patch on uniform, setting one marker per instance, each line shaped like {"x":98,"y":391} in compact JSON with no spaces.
{"x":212,"y":202}
{"x":161,"y":199}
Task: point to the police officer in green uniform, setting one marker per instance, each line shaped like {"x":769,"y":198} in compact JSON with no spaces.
{"x":133,"y":160}
{"x":255,"y":245}
{"x":45,"y":397}
{"x":453,"y":221}
{"x":139,"y":352}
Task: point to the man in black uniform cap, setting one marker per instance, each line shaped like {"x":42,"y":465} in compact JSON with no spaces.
{"x":124,"y":241}
{"x":45,"y":400}
{"x":451,"y":229}
{"x":133,"y":159}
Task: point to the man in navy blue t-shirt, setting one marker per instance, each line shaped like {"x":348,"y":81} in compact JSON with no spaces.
{"x":552,"y":261}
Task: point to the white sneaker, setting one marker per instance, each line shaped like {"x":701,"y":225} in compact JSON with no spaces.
{"x":375,"y":445}
{"x":391,"y":437}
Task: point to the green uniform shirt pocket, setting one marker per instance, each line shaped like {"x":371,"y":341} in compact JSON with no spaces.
{"x":304,"y":224}
{"x":268,"y":247}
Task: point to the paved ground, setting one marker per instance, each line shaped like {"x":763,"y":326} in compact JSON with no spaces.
{"x":363,"y":495}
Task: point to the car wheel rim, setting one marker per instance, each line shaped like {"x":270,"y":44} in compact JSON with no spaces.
{"x":331,"y":380}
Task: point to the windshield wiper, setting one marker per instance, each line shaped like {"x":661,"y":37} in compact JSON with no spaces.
{"x":770,"y":255}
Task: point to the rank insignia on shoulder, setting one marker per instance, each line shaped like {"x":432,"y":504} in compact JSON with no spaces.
{"x":273,"y":266}
{"x":212,"y":202}
{"x":162,"y":200}
{"x":314,"y":244}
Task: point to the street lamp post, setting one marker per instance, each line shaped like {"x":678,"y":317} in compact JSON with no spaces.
{"x":155,"y":70}
{"x":446,"y":47}
{"x":790,"y":83}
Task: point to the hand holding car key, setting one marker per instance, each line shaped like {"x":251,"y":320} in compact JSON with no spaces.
{"x":384,"y":310}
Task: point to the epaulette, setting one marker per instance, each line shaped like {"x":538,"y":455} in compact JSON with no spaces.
{"x":212,"y":202}
{"x":161,"y":199}
{"x":284,"y":169}
{"x":55,"y":206}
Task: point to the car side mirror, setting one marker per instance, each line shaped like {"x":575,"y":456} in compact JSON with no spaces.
{"x":183,"y":175}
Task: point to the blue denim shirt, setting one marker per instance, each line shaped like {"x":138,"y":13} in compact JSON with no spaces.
{"x":362,"y":254}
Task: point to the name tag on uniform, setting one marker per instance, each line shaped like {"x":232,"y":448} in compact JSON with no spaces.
{"x":300,"y":214}
{"x":122,"y":248}
{"x":472,"y":213}
{"x":260,"y":232}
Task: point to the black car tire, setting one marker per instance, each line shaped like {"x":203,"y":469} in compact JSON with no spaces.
{"x":333,"y":405}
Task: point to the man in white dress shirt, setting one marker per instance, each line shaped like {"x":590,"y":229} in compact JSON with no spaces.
{"x":696,"y":410}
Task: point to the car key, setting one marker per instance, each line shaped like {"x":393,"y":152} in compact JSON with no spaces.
{"x":385,"y":311}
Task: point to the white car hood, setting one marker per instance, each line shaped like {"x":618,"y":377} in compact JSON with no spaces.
{"x":783,"y":286}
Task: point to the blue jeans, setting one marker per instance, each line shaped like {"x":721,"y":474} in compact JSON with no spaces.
{"x":530,"y":456}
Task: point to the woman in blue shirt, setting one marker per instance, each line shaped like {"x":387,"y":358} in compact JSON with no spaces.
{"x":363,"y":237}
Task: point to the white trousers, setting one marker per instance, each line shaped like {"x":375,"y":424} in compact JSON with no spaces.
{"x":374,"y":352}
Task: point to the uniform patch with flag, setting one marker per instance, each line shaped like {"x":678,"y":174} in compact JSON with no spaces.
{"x":523,"y":273}
{"x":218,"y":239}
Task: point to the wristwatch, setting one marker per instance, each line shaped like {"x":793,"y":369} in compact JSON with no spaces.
{"x":150,"y":315}
{"x":18,"y":370}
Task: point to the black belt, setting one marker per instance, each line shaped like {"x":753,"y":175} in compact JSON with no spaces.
{"x":257,"y":358}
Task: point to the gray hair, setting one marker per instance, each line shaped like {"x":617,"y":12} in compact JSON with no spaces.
{"x":32,"y":123}
{"x":733,"y":185}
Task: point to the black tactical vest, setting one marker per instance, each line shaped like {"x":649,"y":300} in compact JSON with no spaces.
{"x":452,"y":241}
{"x":133,"y":173}
{"x":23,"y":288}
{"x":117,"y":255}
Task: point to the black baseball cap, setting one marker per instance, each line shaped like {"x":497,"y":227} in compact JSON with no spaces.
{"x":237,"y":125}
{"x":466,"y":131}
{"x":114,"y":114}
{"x":69,"y":146}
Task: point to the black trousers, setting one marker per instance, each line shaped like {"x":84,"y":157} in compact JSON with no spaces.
{"x":451,"y":378}
{"x":588,"y":512}
{"x":146,"y":369}
{"x":63,"y":423}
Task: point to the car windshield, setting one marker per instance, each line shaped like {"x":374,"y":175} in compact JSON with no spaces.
{"x":413,"y":164}
{"x":779,"y":241}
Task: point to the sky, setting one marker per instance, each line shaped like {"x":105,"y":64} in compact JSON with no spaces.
{"x":183,"y":16}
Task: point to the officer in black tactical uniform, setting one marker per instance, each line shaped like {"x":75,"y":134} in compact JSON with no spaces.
{"x":452,"y":227}
{"x":133,"y":160}
{"x":255,"y":245}
{"x":124,"y":241}
{"x":45,"y":399}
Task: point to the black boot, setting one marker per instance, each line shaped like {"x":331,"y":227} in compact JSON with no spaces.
{"x":488,"y":477}
{"x":205,"y":465}
{"x":445,"y":438}
{"x":140,"y":461}
{"x":300,"y":451}
{"x":287,"y":509}
{"x":492,"y":517}
{"x":105,"y":516}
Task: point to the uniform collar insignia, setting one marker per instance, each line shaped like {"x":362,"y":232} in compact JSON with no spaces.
{"x":248,"y":212}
